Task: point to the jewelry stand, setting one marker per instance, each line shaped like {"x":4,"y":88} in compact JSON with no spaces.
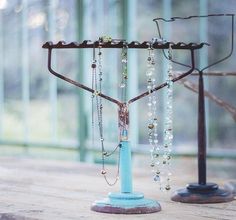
{"x":125,"y":202}
{"x":202,"y":192}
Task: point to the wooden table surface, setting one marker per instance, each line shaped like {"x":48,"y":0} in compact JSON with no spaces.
{"x":54,"y":190}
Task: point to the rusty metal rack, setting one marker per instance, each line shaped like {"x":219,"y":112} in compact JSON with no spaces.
{"x":117,"y":43}
{"x":126,"y":202}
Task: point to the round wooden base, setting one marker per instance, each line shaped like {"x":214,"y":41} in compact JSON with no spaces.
{"x":202,"y":194}
{"x":126,"y":203}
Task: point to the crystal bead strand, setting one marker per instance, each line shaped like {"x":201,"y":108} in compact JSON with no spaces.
{"x":152,"y":116}
{"x":168,"y":124}
{"x":124,"y":78}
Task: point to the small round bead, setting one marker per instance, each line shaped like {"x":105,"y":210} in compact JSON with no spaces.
{"x":152,"y":165}
{"x":150,"y":126}
{"x":156,"y":155}
{"x":124,"y":60}
{"x":122,"y":85}
{"x":103,"y":172}
{"x":167,"y":187}
{"x":156,"y":178}
{"x":149,"y":114}
{"x":149,"y":73}
{"x":93,"y":65}
{"x":96,"y":93}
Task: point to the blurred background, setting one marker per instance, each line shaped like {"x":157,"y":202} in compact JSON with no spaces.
{"x":41,"y":116}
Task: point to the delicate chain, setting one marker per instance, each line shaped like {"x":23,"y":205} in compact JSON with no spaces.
{"x":97,"y":87}
{"x":93,"y":66}
{"x":118,"y":167}
{"x":168,"y":123}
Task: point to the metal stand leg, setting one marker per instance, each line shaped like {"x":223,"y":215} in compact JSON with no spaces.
{"x":202,"y":192}
{"x":126,"y":202}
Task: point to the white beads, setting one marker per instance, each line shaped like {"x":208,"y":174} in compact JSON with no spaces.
{"x":122,"y":85}
{"x":156,"y":178}
{"x":160,"y":156}
{"x":124,"y":75}
{"x":168,"y":130}
{"x":152,"y":118}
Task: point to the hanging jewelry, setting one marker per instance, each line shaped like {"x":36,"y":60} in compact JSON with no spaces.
{"x":152,"y":115}
{"x":97,"y":87}
{"x":124,"y":77}
{"x":93,"y":66}
{"x":168,"y":123}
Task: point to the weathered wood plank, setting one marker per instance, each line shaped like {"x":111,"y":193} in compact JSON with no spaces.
{"x":39,"y":189}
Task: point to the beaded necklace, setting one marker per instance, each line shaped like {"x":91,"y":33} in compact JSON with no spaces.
{"x":160,"y":156}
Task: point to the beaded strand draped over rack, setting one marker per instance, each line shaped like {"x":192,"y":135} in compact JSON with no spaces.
{"x":97,"y":86}
{"x":168,"y":123}
{"x":152,"y":115}
{"x":160,"y":157}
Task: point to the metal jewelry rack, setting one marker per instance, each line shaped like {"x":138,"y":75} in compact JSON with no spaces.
{"x":127,"y":201}
{"x":202,"y":191}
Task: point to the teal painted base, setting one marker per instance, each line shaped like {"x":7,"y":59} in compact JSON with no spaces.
{"x":126,"y":203}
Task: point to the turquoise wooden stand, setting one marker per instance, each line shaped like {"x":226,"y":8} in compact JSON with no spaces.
{"x":126,"y":201}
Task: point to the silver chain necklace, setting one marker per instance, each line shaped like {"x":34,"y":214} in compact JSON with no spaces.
{"x":97,"y":87}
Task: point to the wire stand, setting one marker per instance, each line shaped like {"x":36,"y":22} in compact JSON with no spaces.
{"x":203,"y":191}
{"x":126,"y":201}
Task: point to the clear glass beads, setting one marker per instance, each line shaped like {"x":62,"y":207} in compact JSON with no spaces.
{"x":168,"y":122}
{"x":152,"y":117}
{"x":160,"y":155}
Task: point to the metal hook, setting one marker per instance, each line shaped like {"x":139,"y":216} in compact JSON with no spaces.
{"x":198,"y":16}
